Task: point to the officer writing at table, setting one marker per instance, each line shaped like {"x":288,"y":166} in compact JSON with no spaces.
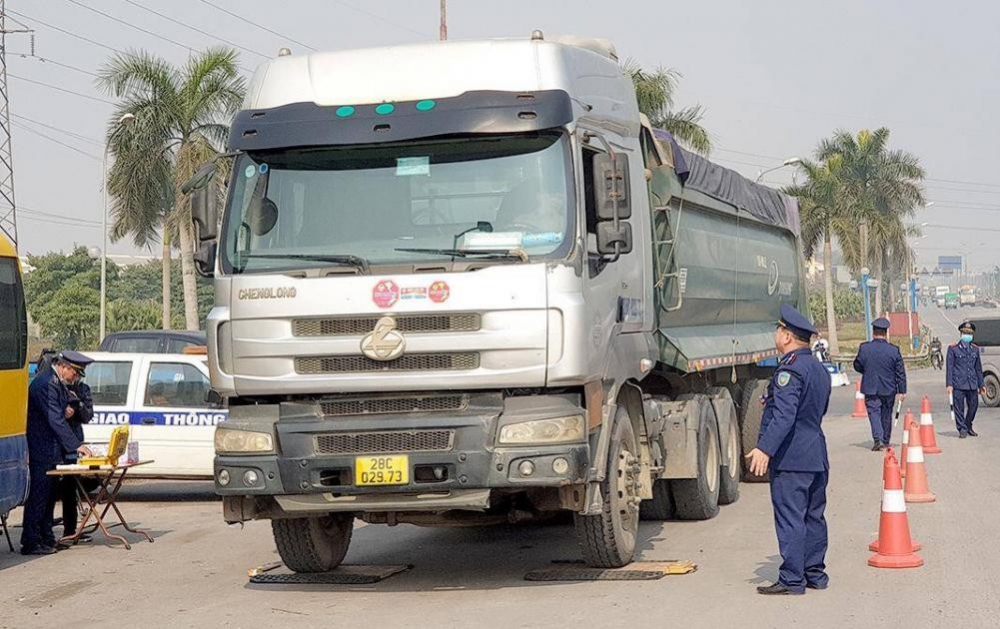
{"x":792,"y":447}
{"x":964,"y":379}
{"x":50,"y":442}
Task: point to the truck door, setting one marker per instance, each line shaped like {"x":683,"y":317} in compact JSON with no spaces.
{"x":177,"y":427}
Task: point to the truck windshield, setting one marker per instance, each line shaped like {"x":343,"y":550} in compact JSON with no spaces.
{"x":501,"y":199}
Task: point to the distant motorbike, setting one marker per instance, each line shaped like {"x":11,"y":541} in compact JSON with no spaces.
{"x":937,"y":360}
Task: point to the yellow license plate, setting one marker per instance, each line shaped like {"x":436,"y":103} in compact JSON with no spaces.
{"x":381,"y":470}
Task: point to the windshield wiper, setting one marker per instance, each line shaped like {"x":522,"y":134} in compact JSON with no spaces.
{"x":344,"y":259}
{"x":511,"y":254}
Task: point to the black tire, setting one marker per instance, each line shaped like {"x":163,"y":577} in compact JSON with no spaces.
{"x":751,"y":412}
{"x":661,"y":506}
{"x":608,"y":539}
{"x":992,"y":396}
{"x":315,"y":544}
{"x":732,"y":466}
{"x":698,"y":498}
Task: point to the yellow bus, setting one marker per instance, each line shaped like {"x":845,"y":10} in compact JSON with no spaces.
{"x":13,"y":380}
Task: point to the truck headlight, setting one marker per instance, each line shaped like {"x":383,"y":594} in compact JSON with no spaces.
{"x":231,"y":440}
{"x":555,"y":430}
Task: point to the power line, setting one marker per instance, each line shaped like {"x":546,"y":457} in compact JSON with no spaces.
{"x":382,"y":19}
{"x":60,"y":89}
{"x":66,"y":32}
{"x":252,"y":23}
{"x":195,"y":29}
{"x":60,"y":64}
{"x":73,"y":134}
{"x":56,"y":141}
{"x":62,"y":217}
{"x":130,"y":25}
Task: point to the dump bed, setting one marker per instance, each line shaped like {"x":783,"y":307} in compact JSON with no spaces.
{"x":727,"y":254}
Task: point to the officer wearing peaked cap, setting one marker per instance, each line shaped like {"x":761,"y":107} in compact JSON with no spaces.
{"x":50,"y":442}
{"x":964,"y":379}
{"x":883,"y":380}
{"x":792,"y":447}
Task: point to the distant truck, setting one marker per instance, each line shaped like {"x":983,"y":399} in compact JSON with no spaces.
{"x":951,"y":300}
{"x":967,"y":296}
{"x":467,"y":282}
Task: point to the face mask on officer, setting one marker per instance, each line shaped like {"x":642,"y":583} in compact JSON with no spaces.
{"x":966,"y":338}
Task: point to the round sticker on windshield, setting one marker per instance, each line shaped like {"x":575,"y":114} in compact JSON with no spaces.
{"x":250,"y":170}
{"x":263,"y":169}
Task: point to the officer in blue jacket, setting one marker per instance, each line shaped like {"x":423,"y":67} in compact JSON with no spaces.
{"x":51,"y":441}
{"x":792,"y":446}
{"x":883,"y":380}
{"x":964,"y":379}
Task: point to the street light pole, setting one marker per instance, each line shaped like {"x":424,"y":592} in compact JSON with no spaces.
{"x":791,"y":161}
{"x":868,"y":304}
{"x":104,"y":226}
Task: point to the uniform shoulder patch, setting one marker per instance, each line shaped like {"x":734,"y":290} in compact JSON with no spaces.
{"x":784,"y":378}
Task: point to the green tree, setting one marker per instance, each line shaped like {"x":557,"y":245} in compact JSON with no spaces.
{"x":180,"y":117}
{"x":654,"y":92}
{"x":882,"y":187}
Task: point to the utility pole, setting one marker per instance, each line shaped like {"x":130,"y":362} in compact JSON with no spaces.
{"x":8,"y":215}
{"x":444,"y":21}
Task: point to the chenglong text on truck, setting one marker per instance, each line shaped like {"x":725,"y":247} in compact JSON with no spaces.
{"x":467,"y":282}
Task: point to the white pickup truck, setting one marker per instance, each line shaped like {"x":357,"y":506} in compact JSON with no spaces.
{"x":162,"y":398}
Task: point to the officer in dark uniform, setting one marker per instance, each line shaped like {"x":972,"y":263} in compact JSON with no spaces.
{"x":964,"y":379}
{"x":883,"y":379}
{"x":792,"y":447}
{"x":50,"y":442}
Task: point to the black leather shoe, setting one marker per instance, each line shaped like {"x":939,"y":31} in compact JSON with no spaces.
{"x":876,"y":447}
{"x":973,"y":433}
{"x":817,"y":586}
{"x":776,"y":589}
{"x":963,"y":435}
{"x":61,"y":546}
{"x":38,"y":550}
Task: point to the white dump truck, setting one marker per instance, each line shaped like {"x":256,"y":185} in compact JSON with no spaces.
{"x":467,"y":282}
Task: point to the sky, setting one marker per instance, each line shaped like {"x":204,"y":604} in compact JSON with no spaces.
{"x":774,"y":76}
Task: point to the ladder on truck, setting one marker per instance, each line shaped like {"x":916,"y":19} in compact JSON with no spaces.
{"x":668,"y":274}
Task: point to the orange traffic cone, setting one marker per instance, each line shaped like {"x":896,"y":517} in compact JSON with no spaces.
{"x":927,"y":436}
{"x":908,"y":421}
{"x":893,"y":471}
{"x":916,"y":473}
{"x":859,"y":402}
{"x":894,"y":543}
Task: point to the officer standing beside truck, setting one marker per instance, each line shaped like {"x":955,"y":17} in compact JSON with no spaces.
{"x":792,"y":447}
{"x":964,"y":379}
{"x":883,"y":381}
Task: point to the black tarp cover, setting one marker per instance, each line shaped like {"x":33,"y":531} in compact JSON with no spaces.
{"x":697,"y":173}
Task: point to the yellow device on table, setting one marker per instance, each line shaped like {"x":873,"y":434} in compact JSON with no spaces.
{"x":116,"y":448}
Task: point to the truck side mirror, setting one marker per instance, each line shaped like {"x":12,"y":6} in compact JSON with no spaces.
{"x":611,"y":189}
{"x":204,"y":213}
{"x":204,"y":259}
{"x":614,"y":241}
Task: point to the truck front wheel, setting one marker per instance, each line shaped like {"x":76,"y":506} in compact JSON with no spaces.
{"x":315,"y":544}
{"x":607,"y":539}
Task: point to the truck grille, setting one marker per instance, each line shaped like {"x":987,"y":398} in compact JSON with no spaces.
{"x":404,"y":323}
{"x":410,"y":362}
{"x":385,"y":442}
{"x":381,"y":406}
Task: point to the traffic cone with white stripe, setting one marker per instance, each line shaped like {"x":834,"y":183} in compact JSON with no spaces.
{"x":894,"y":472}
{"x":895,"y":548}
{"x":927,"y":436}
{"x":908,"y":422}
{"x":916,"y":472}
{"x":859,"y":402}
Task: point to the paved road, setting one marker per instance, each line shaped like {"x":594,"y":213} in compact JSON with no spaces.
{"x":194,"y":575}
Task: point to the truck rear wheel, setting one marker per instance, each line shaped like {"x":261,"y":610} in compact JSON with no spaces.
{"x":732,"y":445}
{"x":607,"y":539}
{"x":661,"y":506}
{"x":698,"y":498}
{"x":315,"y":544}
{"x":751,"y":412}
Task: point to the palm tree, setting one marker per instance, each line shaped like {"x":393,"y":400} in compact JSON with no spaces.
{"x":825,"y":216}
{"x":882,"y":186}
{"x":181,"y":116}
{"x":654,"y":92}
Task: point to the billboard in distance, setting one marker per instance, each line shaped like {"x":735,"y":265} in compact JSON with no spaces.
{"x":950,"y":263}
